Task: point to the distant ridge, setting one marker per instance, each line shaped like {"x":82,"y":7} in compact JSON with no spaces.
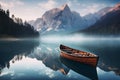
{"x":109,"y":24}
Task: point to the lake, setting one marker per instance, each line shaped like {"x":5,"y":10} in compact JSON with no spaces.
{"x":40,"y":60}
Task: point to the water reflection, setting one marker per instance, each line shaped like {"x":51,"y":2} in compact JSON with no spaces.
{"x":50,"y":58}
{"x":46,"y":57}
{"x":14,"y":50}
{"x":83,"y":69}
{"x":109,"y":53}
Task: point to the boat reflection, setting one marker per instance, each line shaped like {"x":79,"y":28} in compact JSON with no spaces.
{"x":83,"y":69}
{"x":15,"y":50}
{"x":109,"y":55}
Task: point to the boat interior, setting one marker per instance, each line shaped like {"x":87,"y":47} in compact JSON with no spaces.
{"x":75,"y":52}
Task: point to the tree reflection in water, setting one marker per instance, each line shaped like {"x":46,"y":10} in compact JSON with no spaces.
{"x":14,"y":50}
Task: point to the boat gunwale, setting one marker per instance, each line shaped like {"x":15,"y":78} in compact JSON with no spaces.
{"x":62,"y":49}
{"x":81,"y":56}
{"x":67,"y":51}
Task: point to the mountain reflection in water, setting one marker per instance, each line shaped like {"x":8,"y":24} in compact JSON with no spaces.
{"x":50,"y":58}
{"x":46,"y":56}
{"x":14,"y":50}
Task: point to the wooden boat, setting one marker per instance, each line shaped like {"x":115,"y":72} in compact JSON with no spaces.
{"x":79,"y":56}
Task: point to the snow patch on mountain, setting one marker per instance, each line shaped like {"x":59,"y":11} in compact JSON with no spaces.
{"x":63,"y":19}
{"x":59,"y":19}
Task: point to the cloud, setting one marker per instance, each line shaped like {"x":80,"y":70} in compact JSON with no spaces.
{"x":47,"y":5}
{"x":6,"y":5}
{"x":50,"y":73}
{"x":7,"y":73}
{"x":10,"y":4}
{"x":91,"y":8}
{"x":36,"y":8}
{"x":85,"y":8}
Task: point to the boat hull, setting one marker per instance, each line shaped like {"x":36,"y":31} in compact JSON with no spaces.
{"x":86,"y":60}
{"x":82,"y":57}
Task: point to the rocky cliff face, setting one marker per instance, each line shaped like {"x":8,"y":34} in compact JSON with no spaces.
{"x":63,"y":20}
{"x":108,"y":24}
{"x":59,"y":19}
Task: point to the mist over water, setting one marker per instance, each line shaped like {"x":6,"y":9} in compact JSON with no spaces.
{"x":107,"y":48}
{"x":41,"y":60}
{"x":75,"y":39}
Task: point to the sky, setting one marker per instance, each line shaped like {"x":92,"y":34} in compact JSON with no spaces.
{"x":32,"y":9}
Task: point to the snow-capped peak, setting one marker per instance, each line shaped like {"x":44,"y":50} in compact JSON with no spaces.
{"x":116,"y":7}
{"x":64,"y":7}
{"x":60,"y":19}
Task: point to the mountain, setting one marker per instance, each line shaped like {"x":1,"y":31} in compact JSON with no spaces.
{"x":63,"y":20}
{"x":92,"y":18}
{"x":59,"y":19}
{"x":14,"y":27}
{"x":108,"y":24}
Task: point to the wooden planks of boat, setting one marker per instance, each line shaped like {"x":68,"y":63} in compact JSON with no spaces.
{"x":79,"y":56}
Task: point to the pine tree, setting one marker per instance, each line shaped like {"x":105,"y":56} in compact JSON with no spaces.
{"x":7,"y":12}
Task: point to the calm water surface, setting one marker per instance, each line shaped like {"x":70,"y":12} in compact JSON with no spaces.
{"x":31,"y":60}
